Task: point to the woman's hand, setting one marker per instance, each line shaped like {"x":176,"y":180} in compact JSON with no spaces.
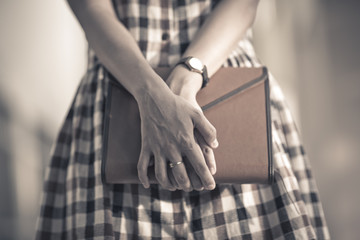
{"x":167,"y":127}
{"x":186,"y":84}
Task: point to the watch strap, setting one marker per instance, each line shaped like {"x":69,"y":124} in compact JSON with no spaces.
{"x":205,"y":77}
{"x":203,"y":72}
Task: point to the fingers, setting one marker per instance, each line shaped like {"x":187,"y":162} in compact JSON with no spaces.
{"x":142,"y":167}
{"x":207,"y":152}
{"x":206,"y":129}
{"x":161,"y":172}
{"x":196,"y":159}
{"x":194,"y":178}
{"x":179,"y":172}
{"x":172,"y":179}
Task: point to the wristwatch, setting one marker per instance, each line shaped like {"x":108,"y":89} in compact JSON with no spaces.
{"x":195,"y":65}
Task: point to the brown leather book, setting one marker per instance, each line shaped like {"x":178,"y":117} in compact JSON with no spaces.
{"x":236,"y":101}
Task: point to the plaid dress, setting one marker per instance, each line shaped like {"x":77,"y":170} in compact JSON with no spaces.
{"x":76,"y":205}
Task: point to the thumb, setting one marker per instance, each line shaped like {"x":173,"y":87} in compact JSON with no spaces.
{"x":206,"y":129}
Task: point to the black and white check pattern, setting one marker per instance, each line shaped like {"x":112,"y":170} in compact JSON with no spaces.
{"x":76,"y":205}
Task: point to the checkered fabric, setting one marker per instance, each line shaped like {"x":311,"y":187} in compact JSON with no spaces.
{"x":76,"y":205}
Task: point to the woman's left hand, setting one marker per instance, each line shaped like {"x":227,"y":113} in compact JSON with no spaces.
{"x":186,"y":84}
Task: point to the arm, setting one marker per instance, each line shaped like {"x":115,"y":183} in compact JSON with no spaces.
{"x":225,"y":27}
{"x":213,"y":43}
{"x":167,"y":120}
{"x":115,"y":46}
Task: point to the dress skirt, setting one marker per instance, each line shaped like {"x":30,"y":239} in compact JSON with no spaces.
{"x":77,"y":205}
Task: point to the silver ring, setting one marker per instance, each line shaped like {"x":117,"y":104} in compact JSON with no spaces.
{"x":171,"y":165}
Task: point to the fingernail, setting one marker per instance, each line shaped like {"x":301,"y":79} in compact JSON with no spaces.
{"x":215,"y":143}
{"x":212,"y":170}
{"x":211,"y":187}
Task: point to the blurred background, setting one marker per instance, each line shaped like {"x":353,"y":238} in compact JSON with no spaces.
{"x":311,"y":47}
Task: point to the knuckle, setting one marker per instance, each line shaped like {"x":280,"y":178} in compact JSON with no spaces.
{"x":182,"y":137}
{"x":198,"y":113}
{"x":189,"y":145}
{"x":187,"y":142}
{"x":207,"y":150}
{"x":182,"y":180}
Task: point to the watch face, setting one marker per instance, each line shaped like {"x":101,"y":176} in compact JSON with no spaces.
{"x":195,"y":63}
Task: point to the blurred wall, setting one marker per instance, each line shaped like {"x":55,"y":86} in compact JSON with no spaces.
{"x":42,"y":58}
{"x":310,"y":47}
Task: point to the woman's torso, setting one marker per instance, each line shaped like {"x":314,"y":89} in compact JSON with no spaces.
{"x":164,"y":28}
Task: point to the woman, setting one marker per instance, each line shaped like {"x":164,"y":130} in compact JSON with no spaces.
{"x":130,"y":38}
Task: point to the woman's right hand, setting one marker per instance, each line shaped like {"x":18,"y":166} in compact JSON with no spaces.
{"x":167,"y":128}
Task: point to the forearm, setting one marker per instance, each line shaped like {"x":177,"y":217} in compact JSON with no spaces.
{"x":116,"y":48}
{"x":218,"y":36}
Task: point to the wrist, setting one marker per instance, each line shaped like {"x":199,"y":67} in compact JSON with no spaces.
{"x":156,"y":90}
{"x":195,"y":65}
{"x":184,"y":82}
